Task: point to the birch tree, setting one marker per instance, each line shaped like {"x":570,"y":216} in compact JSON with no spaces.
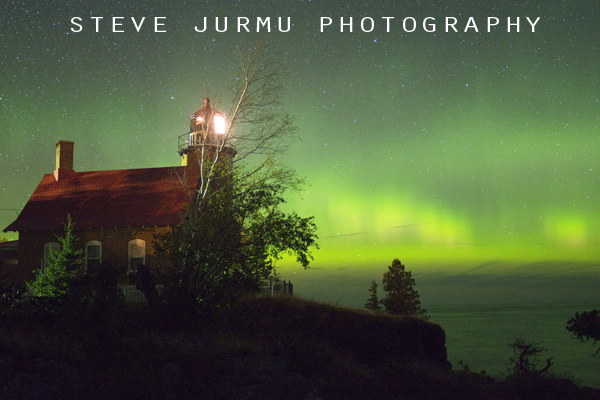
{"x":234,"y":229}
{"x":258,"y":131}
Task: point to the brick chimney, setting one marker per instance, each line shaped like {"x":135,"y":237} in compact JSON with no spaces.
{"x":64,"y":158}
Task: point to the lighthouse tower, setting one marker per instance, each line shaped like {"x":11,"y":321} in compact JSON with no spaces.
{"x":208,"y":132}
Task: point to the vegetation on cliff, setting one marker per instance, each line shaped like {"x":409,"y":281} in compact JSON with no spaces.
{"x":586,"y":327}
{"x":260,"y":348}
{"x":401,"y":298}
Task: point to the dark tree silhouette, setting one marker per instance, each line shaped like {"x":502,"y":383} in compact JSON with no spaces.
{"x":525,"y":358}
{"x":586,"y":326}
{"x":373,"y":302}
{"x":401,"y":297}
{"x":226,"y":252}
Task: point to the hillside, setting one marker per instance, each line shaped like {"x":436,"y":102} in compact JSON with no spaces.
{"x":263,"y":348}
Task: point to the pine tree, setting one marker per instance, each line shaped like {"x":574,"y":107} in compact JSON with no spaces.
{"x":61,"y":267}
{"x":401,"y":297}
{"x":373,"y":303}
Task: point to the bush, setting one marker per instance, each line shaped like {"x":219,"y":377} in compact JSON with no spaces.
{"x":525,"y":359}
{"x":586,"y":326}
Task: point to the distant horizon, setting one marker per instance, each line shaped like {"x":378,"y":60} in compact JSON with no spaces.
{"x":523,"y":283}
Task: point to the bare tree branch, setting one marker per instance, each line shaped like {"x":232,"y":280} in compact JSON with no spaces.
{"x":256,"y":126}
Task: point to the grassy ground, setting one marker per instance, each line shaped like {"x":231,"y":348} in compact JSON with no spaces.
{"x":263,"y":348}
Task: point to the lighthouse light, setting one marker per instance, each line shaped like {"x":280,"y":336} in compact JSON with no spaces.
{"x":220,"y":124}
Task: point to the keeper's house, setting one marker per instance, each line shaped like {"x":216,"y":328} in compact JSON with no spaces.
{"x":115,"y":213}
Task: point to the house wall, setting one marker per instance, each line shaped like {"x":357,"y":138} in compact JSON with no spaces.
{"x":114,"y":246}
{"x":8,"y":259}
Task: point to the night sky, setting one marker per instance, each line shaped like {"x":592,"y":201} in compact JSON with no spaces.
{"x":473,"y":157}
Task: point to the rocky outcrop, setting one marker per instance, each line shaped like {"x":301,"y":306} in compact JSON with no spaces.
{"x":368,"y":336}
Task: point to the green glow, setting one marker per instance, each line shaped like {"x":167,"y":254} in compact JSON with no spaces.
{"x":568,"y":230}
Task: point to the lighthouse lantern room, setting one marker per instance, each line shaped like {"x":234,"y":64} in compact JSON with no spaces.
{"x":207,"y":127}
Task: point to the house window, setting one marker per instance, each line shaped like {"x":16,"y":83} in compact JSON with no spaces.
{"x":137,"y":254}
{"x":93,"y":253}
{"x":49,"y":247}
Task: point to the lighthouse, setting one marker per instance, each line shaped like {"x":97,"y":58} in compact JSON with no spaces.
{"x":207,"y":135}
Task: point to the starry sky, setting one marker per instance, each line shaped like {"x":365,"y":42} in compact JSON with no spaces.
{"x":471,"y":156}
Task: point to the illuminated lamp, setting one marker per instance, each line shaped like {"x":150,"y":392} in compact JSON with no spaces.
{"x":207,"y":127}
{"x":219,"y":123}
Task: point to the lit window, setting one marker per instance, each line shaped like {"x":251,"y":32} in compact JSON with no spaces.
{"x":93,"y":253}
{"x":137,"y":254}
{"x":50,"y":247}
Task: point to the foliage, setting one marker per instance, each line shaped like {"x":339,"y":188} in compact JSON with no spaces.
{"x":586,"y":326}
{"x":464,"y":369}
{"x":147,"y":285}
{"x":276,"y":280}
{"x":525,"y":358}
{"x":99,"y":286}
{"x":9,"y":296}
{"x":61,"y":269}
{"x":3,"y":239}
{"x":63,"y":280}
{"x":401,"y":297}
{"x":373,"y":302}
{"x":233,"y":243}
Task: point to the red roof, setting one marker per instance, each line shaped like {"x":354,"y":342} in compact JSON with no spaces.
{"x":106,"y":199}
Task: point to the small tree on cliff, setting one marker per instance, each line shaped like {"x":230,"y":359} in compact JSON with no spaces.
{"x":373,"y":302}
{"x":401,"y":297}
{"x":586,"y":326}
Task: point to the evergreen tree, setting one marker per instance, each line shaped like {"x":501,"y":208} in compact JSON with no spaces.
{"x":401,"y":297}
{"x":373,"y":303}
{"x":61,"y":267}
